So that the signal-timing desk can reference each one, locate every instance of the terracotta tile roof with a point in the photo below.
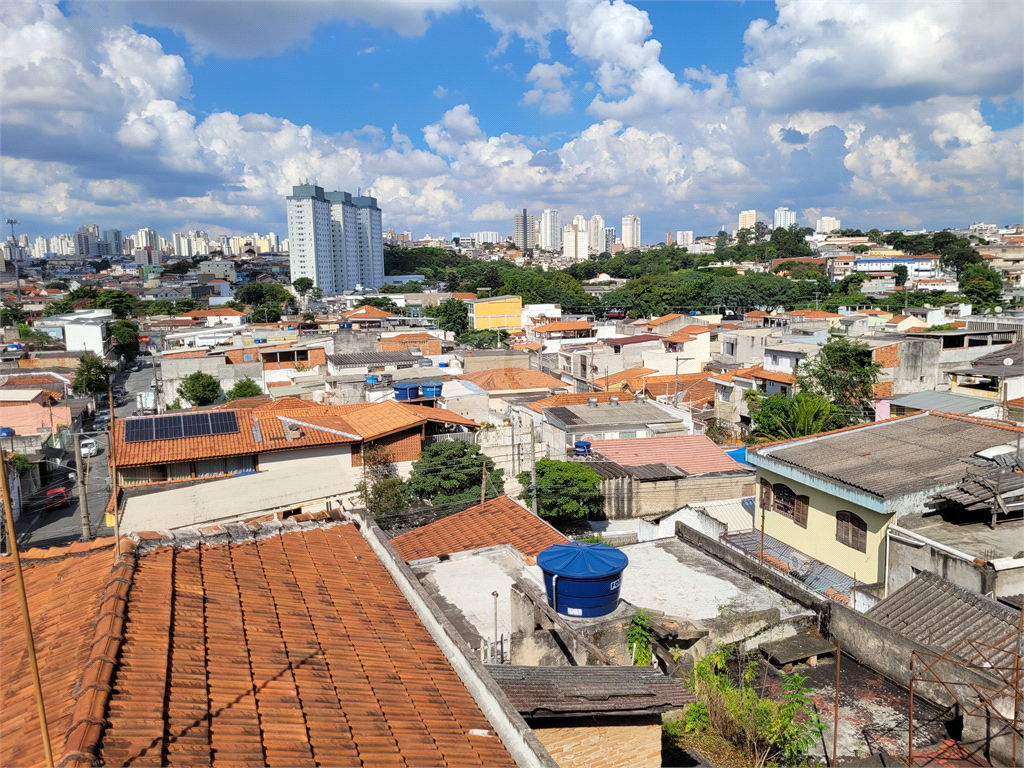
(758, 372)
(512, 379)
(695, 454)
(217, 312)
(324, 425)
(755, 313)
(496, 521)
(815, 314)
(366, 312)
(615, 378)
(186, 354)
(739, 372)
(410, 337)
(77, 602)
(663, 319)
(694, 388)
(688, 333)
(900, 319)
(463, 296)
(564, 325)
(289, 649)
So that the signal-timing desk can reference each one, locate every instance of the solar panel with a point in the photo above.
(167, 428)
(186, 425)
(223, 423)
(138, 430)
(195, 424)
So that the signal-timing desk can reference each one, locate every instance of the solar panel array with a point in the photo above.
(187, 425)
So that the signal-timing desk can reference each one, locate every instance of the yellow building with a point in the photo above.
(835, 496)
(498, 313)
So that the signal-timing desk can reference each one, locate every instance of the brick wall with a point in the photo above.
(887, 357)
(426, 347)
(404, 446)
(50, 362)
(604, 746)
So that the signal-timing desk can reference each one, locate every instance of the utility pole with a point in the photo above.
(29, 642)
(14, 253)
(675, 388)
(533, 467)
(483, 484)
(83, 500)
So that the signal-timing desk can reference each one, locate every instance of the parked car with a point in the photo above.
(58, 497)
(134, 367)
(89, 447)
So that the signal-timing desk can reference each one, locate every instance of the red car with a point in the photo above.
(58, 497)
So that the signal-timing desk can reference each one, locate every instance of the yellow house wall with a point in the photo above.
(819, 538)
(499, 314)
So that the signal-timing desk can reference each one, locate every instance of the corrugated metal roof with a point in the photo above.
(540, 691)
(737, 513)
(358, 359)
(623, 413)
(944, 401)
(940, 614)
(892, 458)
(695, 454)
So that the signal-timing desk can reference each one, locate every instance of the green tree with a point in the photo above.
(302, 285)
(199, 389)
(177, 268)
(61, 307)
(122, 304)
(381, 489)
(382, 303)
(251, 294)
(859, 248)
(957, 255)
(187, 305)
(901, 274)
(484, 339)
(244, 388)
(126, 336)
(449, 474)
(266, 313)
(309, 317)
(843, 373)
(779, 418)
(565, 489)
(452, 315)
(12, 314)
(92, 375)
(981, 284)
(59, 285)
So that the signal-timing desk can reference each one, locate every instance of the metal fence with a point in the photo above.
(495, 651)
(452, 437)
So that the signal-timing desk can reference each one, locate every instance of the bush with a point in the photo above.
(199, 389)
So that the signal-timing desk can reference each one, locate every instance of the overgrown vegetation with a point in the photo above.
(92, 375)
(244, 388)
(766, 730)
(777, 417)
(566, 490)
(449, 474)
(381, 489)
(638, 639)
(199, 389)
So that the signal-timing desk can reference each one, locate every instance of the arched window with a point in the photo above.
(851, 531)
(784, 500)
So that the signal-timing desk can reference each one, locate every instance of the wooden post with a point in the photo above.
(83, 499)
(533, 467)
(835, 726)
(762, 533)
(910, 720)
(26, 619)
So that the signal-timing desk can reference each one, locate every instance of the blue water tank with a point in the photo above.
(407, 391)
(7, 432)
(442, 365)
(371, 380)
(582, 579)
(582, 447)
(739, 455)
(431, 388)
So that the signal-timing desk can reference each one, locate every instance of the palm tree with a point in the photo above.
(807, 415)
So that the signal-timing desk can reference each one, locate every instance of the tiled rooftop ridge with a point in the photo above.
(283, 650)
(76, 679)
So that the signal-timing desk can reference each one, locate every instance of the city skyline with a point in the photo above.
(193, 117)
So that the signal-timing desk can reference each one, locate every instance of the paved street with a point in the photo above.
(60, 527)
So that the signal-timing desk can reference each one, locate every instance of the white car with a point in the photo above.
(89, 447)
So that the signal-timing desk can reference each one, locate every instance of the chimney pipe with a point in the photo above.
(592, 402)
(613, 400)
(640, 397)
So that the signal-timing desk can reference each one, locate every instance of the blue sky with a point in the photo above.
(185, 115)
